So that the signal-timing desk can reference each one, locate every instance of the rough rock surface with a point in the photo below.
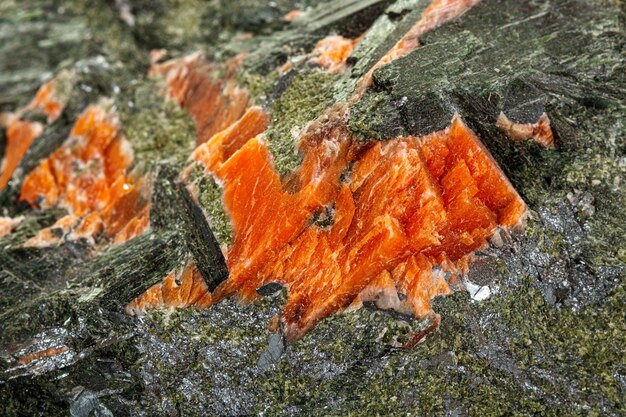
(540, 327)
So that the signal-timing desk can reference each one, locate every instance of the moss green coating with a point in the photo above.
(304, 100)
(486, 359)
(210, 199)
(157, 128)
(259, 86)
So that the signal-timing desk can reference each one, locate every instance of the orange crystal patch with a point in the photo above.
(413, 212)
(412, 204)
(540, 132)
(7, 224)
(184, 288)
(88, 176)
(225, 143)
(275, 224)
(47, 100)
(293, 15)
(332, 52)
(214, 103)
(20, 134)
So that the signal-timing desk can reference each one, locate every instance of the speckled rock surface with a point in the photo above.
(539, 326)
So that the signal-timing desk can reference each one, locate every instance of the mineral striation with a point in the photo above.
(21, 132)
(89, 177)
(400, 210)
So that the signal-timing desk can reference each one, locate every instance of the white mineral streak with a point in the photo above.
(477, 292)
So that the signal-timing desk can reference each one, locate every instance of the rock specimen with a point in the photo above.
(437, 198)
(401, 209)
(282, 191)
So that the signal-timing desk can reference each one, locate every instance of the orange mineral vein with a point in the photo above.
(214, 101)
(407, 212)
(20, 134)
(330, 54)
(182, 288)
(411, 204)
(89, 176)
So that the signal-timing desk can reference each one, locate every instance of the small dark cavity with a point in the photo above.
(324, 218)
(269, 290)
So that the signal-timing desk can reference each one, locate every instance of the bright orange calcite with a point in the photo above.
(215, 102)
(49, 100)
(20, 134)
(180, 288)
(411, 204)
(407, 213)
(332, 52)
(89, 177)
(225, 143)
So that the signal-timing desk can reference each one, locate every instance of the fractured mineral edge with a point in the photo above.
(410, 204)
(400, 219)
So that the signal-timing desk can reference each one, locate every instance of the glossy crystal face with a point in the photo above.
(403, 216)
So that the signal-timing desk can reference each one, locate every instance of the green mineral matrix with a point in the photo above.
(541, 328)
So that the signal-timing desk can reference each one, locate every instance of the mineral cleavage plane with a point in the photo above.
(407, 213)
